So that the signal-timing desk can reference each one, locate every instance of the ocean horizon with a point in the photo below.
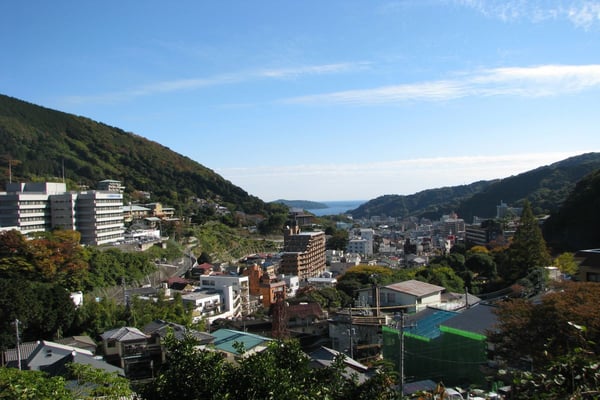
(336, 207)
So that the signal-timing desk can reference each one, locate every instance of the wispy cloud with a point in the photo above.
(537, 81)
(178, 85)
(581, 13)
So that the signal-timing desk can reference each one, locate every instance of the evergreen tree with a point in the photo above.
(528, 253)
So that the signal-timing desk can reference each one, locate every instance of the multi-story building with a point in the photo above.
(35, 207)
(303, 254)
(234, 291)
(363, 247)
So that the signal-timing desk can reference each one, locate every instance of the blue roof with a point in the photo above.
(225, 339)
(427, 324)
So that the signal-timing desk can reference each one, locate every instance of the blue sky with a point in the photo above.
(322, 100)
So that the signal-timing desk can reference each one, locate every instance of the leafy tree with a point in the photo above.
(481, 263)
(545, 332)
(338, 240)
(96, 316)
(93, 383)
(441, 276)
(574, 375)
(566, 263)
(45, 310)
(142, 312)
(528, 249)
(190, 373)
(31, 385)
(282, 370)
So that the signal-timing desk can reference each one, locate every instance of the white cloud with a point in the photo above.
(537, 81)
(178, 85)
(581, 13)
(369, 180)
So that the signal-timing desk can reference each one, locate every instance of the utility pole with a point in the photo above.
(399, 317)
(350, 333)
(18, 343)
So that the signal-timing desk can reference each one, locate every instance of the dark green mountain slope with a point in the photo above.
(428, 203)
(576, 224)
(42, 140)
(545, 187)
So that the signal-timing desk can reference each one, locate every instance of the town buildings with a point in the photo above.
(303, 253)
(35, 207)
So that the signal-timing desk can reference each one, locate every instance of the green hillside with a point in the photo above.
(429, 203)
(575, 225)
(545, 187)
(43, 143)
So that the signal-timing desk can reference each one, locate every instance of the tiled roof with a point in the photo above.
(124, 334)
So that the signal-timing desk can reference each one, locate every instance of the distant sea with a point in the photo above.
(336, 207)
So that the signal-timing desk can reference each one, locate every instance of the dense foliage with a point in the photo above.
(575, 225)
(557, 340)
(82, 382)
(39, 141)
(527, 253)
(58, 258)
(280, 371)
(37, 276)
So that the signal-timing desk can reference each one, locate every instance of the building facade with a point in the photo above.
(35, 207)
(303, 254)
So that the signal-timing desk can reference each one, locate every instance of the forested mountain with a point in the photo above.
(429, 203)
(575, 225)
(42, 143)
(545, 187)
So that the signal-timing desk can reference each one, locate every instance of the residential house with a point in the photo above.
(52, 358)
(325, 357)
(411, 295)
(162, 328)
(230, 342)
(137, 353)
(589, 265)
(206, 304)
(306, 318)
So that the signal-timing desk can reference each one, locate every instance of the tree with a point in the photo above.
(31, 385)
(93, 383)
(574, 375)
(190, 373)
(566, 263)
(282, 370)
(338, 240)
(543, 332)
(45, 310)
(528, 249)
(442, 276)
(481, 263)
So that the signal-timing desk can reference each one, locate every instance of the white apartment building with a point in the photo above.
(234, 290)
(360, 246)
(35, 207)
(205, 305)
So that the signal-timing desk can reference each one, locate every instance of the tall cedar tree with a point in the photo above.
(528, 250)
